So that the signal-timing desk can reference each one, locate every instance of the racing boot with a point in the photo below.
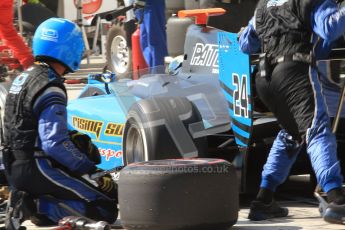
(18, 210)
(41, 220)
(261, 211)
(335, 213)
(335, 210)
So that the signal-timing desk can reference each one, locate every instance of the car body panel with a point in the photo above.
(103, 120)
(94, 114)
(107, 103)
(235, 65)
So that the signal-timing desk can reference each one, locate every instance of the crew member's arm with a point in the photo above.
(328, 21)
(50, 107)
(248, 39)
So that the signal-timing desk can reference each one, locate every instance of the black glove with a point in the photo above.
(84, 144)
(108, 186)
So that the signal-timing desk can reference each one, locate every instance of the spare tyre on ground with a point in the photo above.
(179, 194)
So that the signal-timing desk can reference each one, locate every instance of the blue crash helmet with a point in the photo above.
(60, 40)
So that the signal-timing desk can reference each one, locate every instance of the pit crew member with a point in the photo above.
(291, 35)
(43, 165)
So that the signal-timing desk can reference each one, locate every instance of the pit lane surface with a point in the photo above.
(303, 208)
(302, 216)
(295, 195)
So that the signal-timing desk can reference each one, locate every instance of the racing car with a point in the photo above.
(201, 106)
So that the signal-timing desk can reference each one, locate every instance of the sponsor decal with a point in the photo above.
(205, 55)
(88, 125)
(72, 149)
(273, 3)
(109, 153)
(90, 6)
(240, 96)
(18, 83)
(49, 34)
(21, 79)
(114, 129)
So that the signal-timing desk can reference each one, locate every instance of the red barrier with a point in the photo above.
(138, 61)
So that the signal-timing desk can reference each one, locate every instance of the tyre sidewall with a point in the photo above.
(158, 143)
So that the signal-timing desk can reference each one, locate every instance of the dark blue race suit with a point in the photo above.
(328, 23)
(56, 166)
(153, 38)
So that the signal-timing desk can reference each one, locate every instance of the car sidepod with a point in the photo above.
(102, 118)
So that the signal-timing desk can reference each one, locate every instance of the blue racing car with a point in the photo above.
(200, 106)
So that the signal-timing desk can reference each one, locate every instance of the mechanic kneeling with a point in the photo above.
(44, 166)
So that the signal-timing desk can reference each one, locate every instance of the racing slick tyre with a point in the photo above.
(118, 48)
(179, 194)
(154, 127)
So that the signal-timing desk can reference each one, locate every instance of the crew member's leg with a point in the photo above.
(282, 155)
(10, 36)
(153, 34)
(331, 90)
(73, 191)
(296, 101)
(321, 143)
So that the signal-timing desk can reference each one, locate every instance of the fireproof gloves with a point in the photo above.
(108, 186)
